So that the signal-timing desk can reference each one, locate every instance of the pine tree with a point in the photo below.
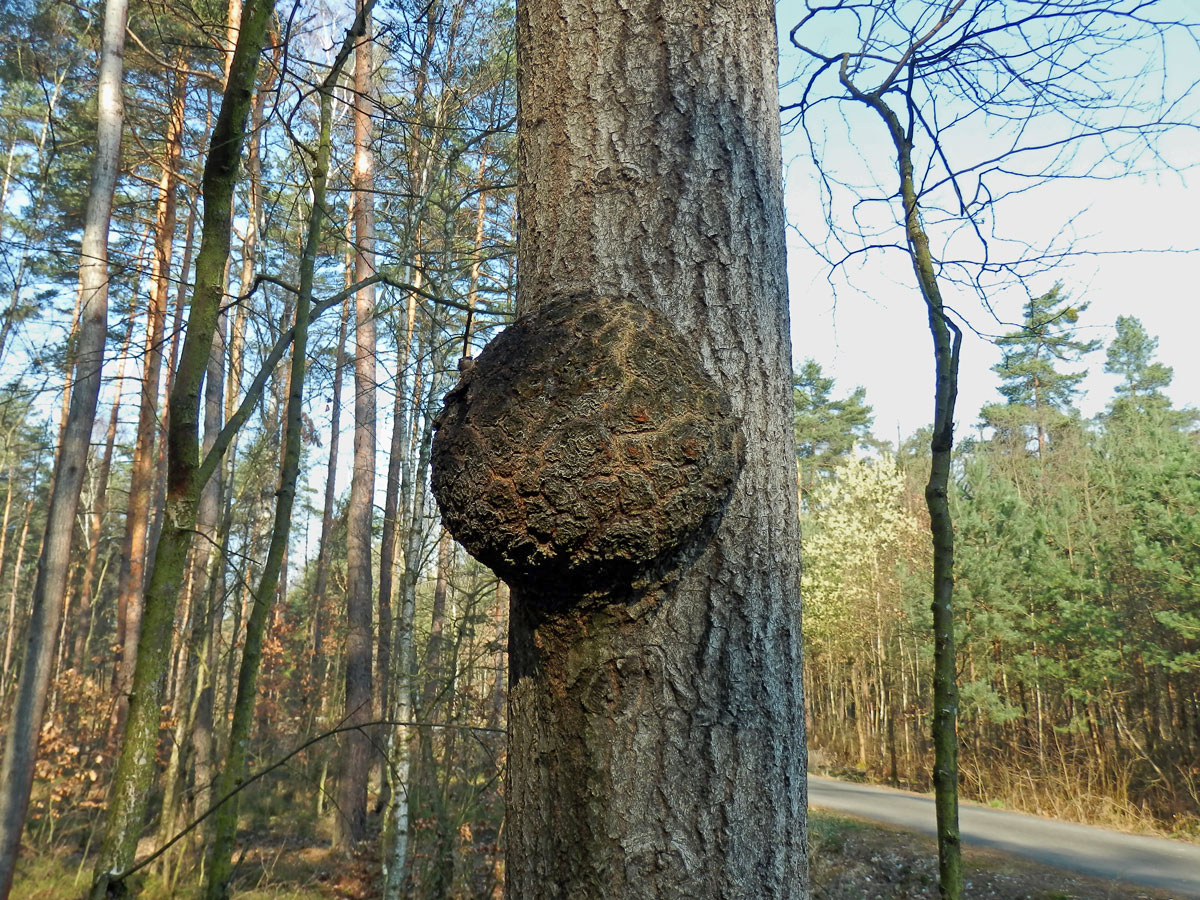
(827, 429)
(1040, 396)
(1131, 355)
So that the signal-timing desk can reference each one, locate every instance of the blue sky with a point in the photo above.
(1129, 237)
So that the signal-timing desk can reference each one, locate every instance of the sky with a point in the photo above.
(874, 332)
(868, 326)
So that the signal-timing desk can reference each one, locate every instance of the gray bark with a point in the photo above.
(656, 747)
(88, 581)
(20, 750)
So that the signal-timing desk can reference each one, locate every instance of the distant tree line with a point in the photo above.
(1078, 586)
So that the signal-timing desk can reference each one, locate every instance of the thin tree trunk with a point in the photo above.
(220, 868)
(477, 260)
(206, 567)
(322, 563)
(187, 474)
(500, 614)
(89, 582)
(946, 352)
(432, 691)
(397, 457)
(142, 480)
(356, 745)
(387, 543)
(14, 590)
(412, 491)
(20, 752)
(8, 496)
(203, 732)
(945, 675)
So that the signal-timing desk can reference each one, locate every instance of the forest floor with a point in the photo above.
(851, 860)
(857, 860)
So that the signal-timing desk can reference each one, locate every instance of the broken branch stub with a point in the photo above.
(586, 453)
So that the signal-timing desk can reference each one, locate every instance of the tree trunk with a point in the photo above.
(397, 457)
(656, 746)
(428, 793)
(945, 673)
(413, 495)
(220, 869)
(142, 480)
(12, 604)
(945, 353)
(189, 696)
(356, 745)
(14, 591)
(89, 581)
(20, 751)
(387, 541)
(322, 578)
(186, 474)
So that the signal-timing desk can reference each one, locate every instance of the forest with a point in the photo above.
(1076, 585)
(238, 642)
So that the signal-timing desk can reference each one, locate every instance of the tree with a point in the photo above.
(1039, 396)
(656, 728)
(356, 750)
(826, 430)
(1131, 355)
(1150, 555)
(20, 748)
(186, 473)
(947, 340)
(225, 829)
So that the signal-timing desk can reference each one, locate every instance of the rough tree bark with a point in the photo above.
(20, 747)
(656, 732)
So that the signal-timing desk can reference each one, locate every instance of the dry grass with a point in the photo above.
(851, 860)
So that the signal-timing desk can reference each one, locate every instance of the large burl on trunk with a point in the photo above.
(585, 453)
(591, 456)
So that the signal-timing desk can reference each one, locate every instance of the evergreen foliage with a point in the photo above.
(827, 429)
(1040, 396)
(1079, 615)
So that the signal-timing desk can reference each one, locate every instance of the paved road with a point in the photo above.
(1098, 852)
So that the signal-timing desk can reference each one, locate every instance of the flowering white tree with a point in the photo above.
(857, 531)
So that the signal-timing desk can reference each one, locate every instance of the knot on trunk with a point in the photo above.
(586, 453)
